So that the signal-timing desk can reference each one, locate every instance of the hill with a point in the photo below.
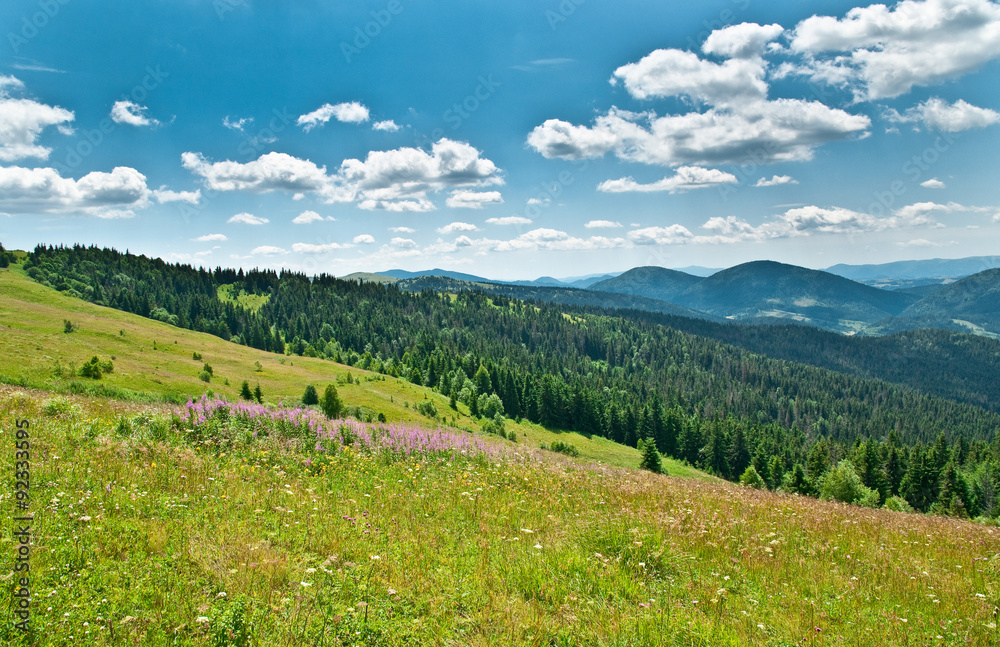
(154, 361)
(971, 304)
(653, 282)
(776, 290)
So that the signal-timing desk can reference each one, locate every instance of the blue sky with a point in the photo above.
(507, 139)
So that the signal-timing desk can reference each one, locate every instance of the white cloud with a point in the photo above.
(933, 183)
(364, 239)
(44, 191)
(307, 217)
(394, 180)
(686, 178)
(746, 40)
(352, 113)
(403, 243)
(509, 220)
(22, 122)
(672, 235)
(208, 238)
(762, 131)
(455, 227)
(918, 242)
(308, 248)
(412, 172)
(473, 199)
(603, 224)
(776, 180)
(388, 125)
(419, 205)
(539, 201)
(239, 125)
(268, 250)
(269, 172)
(401, 230)
(555, 240)
(248, 219)
(938, 114)
(674, 72)
(132, 114)
(880, 52)
(163, 195)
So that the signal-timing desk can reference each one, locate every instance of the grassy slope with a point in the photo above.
(33, 341)
(162, 542)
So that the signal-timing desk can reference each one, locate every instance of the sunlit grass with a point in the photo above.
(148, 535)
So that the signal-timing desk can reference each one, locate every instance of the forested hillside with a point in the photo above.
(717, 406)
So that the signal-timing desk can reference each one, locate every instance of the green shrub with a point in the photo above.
(565, 448)
(751, 478)
(843, 484)
(494, 425)
(205, 376)
(310, 397)
(898, 504)
(427, 408)
(95, 368)
(68, 326)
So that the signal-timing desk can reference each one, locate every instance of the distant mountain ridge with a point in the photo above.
(915, 270)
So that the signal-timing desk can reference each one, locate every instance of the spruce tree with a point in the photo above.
(310, 397)
(330, 402)
(651, 459)
(245, 392)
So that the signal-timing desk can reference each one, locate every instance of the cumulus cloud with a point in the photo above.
(671, 235)
(131, 114)
(248, 219)
(364, 239)
(455, 227)
(269, 172)
(555, 240)
(746, 40)
(603, 224)
(464, 199)
(208, 238)
(23, 120)
(268, 250)
(401, 230)
(403, 243)
(881, 52)
(393, 180)
(675, 72)
(352, 113)
(44, 191)
(686, 178)
(938, 114)
(509, 220)
(163, 195)
(933, 183)
(309, 248)
(388, 126)
(776, 180)
(765, 131)
(539, 201)
(307, 217)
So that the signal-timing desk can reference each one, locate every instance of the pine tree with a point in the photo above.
(651, 459)
(245, 392)
(310, 397)
(258, 395)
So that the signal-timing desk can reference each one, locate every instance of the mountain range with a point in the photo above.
(769, 292)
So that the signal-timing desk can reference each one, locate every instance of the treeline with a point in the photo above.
(6, 258)
(594, 372)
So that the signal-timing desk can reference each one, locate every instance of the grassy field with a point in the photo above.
(149, 529)
(143, 535)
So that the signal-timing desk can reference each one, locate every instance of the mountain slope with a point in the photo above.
(649, 281)
(971, 304)
(766, 289)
